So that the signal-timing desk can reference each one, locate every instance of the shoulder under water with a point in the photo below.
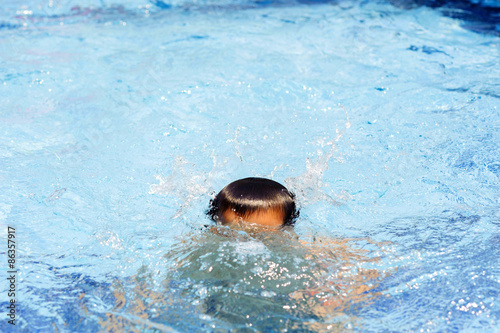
(270, 280)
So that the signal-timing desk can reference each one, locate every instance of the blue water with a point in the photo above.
(120, 120)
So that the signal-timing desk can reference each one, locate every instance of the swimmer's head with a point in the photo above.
(258, 201)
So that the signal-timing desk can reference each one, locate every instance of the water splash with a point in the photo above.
(308, 186)
(187, 182)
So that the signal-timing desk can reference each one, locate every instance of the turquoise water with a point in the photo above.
(120, 120)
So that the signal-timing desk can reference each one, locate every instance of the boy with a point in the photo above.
(257, 201)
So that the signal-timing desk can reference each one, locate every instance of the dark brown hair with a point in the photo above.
(249, 195)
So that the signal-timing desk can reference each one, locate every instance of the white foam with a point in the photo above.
(251, 248)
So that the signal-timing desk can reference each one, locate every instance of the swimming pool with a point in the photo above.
(120, 119)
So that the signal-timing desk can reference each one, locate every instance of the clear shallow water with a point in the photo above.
(120, 121)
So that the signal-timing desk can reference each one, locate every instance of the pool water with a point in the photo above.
(121, 119)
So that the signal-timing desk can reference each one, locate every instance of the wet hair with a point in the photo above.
(250, 195)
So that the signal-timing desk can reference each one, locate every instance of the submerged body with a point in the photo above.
(274, 280)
